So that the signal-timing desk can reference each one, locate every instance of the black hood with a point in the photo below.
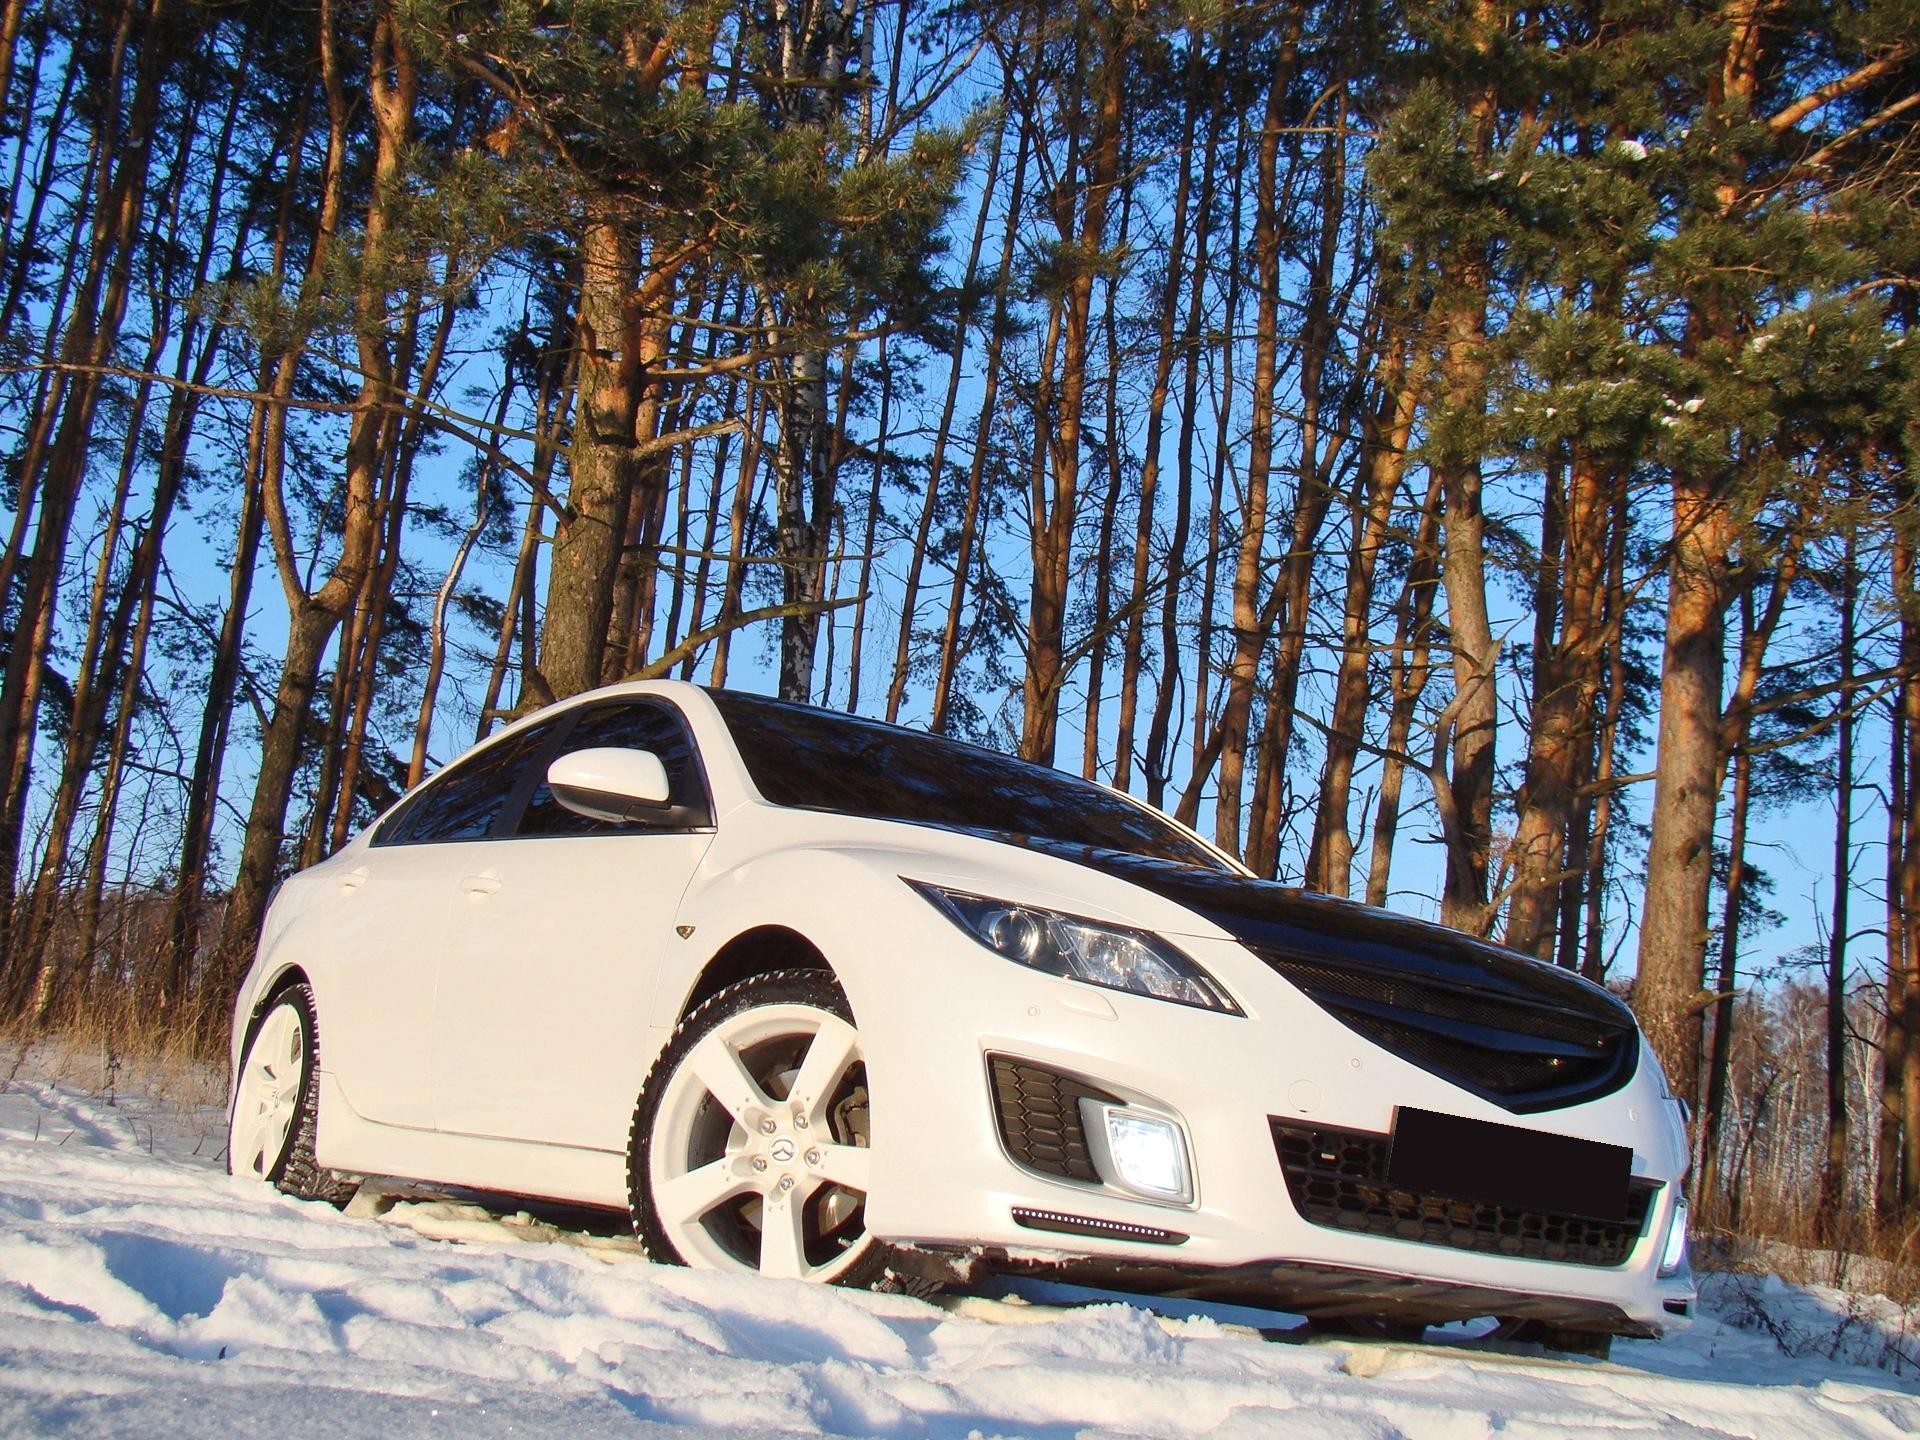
(1514, 1030)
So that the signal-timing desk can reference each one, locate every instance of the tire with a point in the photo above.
(744, 1181)
(276, 1103)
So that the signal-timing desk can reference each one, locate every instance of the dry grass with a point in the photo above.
(119, 1044)
(1783, 1238)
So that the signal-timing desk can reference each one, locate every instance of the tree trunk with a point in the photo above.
(1719, 1069)
(1320, 445)
(1133, 641)
(1389, 430)
(1593, 959)
(1205, 732)
(1056, 473)
(1567, 678)
(1831, 1223)
(602, 465)
(1673, 920)
(1673, 930)
(93, 329)
(982, 442)
(1249, 624)
(314, 615)
(1412, 665)
(1897, 1181)
(937, 459)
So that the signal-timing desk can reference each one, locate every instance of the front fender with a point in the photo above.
(850, 904)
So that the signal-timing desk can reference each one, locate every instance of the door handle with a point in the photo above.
(353, 879)
(480, 884)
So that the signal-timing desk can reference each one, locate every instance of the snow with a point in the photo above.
(1631, 149)
(144, 1292)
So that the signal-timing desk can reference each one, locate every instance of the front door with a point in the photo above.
(552, 944)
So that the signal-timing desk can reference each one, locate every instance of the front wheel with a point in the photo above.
(750, 1141)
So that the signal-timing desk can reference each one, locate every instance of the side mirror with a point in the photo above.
(609, 783)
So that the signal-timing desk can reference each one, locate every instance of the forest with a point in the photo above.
(1455, 455)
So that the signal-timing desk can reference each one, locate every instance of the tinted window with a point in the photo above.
(635, 725)
(820, 760)
(465, 800)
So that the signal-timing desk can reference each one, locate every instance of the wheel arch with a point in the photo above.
(759, 950)
(284, 979)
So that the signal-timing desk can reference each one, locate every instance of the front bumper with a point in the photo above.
(945, 1181)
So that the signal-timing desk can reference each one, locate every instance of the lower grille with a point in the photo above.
(1338, 1179)
(1039, 1115)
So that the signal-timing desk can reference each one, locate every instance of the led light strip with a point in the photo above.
(1055, 1221)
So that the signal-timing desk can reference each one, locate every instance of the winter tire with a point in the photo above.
(750, 1143)
(1594, 1344)
(270, 1130)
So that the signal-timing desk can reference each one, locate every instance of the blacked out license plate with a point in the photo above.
(1505, 1165)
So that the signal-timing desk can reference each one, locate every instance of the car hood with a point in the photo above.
(1528, 1035)
(1268, 916)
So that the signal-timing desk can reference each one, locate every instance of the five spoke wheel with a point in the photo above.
(750, 1141)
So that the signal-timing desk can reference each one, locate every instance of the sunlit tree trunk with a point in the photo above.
(1060, 409)
(1409, 671)
(943, 429)
(1673, 927)
(1831, 1222)
(140, 39)
(1133, 631)
(315, 614)
(1383, 464)
(1250, 624)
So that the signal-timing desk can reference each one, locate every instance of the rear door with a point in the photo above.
(389, 927)
(540, 1028)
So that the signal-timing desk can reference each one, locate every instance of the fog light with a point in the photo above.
(1143, 1152)
(1673, 1255)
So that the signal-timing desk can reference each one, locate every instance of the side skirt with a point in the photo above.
(351, 1143)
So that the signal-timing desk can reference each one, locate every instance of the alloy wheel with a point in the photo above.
(758, 1155)
(266, 1099)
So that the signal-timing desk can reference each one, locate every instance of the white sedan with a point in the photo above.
(827, 999)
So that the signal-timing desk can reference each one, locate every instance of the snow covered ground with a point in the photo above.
(143, 1292)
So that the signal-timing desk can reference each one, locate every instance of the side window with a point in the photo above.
(464, 801)
(631, 725)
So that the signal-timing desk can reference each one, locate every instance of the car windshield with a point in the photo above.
(815, 759)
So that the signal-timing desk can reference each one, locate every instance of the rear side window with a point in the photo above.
(630, 725)
(466, 800)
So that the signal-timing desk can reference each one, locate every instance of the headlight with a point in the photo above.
(1107, 955)
(1673, 1255)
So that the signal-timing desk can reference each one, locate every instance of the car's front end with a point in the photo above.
(1123, 1073)
(1099, 1048)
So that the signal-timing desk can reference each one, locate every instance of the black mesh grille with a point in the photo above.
(1039, 1115)
(1338, 1179)
(1523, 1052)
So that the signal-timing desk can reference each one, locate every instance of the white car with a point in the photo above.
(828, 999)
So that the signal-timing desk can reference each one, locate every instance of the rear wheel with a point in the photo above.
(1593, 1343)
(1368, 1327)
(750, 1141)
(271, 1128)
